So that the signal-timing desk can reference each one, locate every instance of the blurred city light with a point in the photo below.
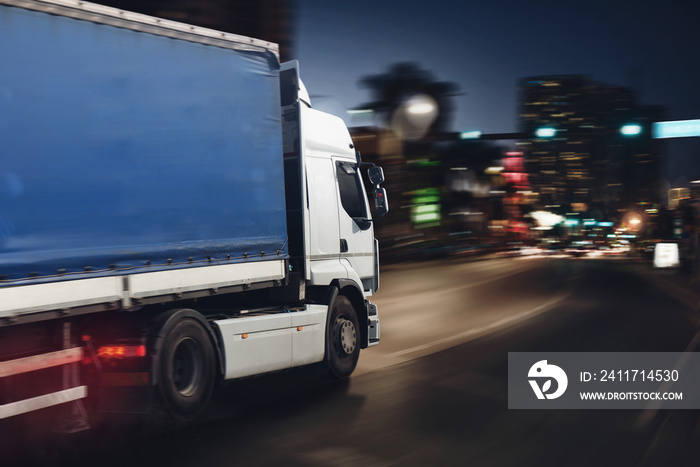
(546, 220)
(666, 255)
(476, 134)
(631, 222)
(413, 118)
(676, 129)
(426, 209)
(427, 213)
(421, 105)
(675, 195)
(632, 129)
(545, 132)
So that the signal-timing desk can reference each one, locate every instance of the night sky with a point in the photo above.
(485, 47)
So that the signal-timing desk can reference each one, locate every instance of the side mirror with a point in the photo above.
(381, 205)
(376, 175)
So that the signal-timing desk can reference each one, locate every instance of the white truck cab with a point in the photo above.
(339, 236)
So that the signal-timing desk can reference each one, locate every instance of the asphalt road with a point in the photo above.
(434, 392)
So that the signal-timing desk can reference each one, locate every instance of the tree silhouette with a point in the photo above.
(391, 90)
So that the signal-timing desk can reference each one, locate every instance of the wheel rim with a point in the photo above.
(346, 336)
(187, 367)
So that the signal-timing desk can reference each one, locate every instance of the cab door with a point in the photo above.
(355, 226)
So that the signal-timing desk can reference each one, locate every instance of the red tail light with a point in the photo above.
(121, 351)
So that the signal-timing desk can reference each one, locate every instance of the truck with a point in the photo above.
(174, 214)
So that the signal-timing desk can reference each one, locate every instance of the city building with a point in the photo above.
(446, 196)
(590, 147)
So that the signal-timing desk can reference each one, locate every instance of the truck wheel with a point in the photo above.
(186, 369)
(343, 338)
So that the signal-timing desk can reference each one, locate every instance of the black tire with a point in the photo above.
(342, 339)
(186, 369)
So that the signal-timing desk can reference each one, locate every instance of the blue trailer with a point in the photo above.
(126, 151)
(173, 214)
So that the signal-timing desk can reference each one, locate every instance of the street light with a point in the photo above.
(632, 221)
(413, 118)
(422, 105)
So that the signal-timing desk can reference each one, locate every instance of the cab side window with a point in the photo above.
(351, 190)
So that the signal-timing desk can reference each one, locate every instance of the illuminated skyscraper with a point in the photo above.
(578, 157)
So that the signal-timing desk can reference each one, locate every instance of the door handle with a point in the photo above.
(343, 245)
